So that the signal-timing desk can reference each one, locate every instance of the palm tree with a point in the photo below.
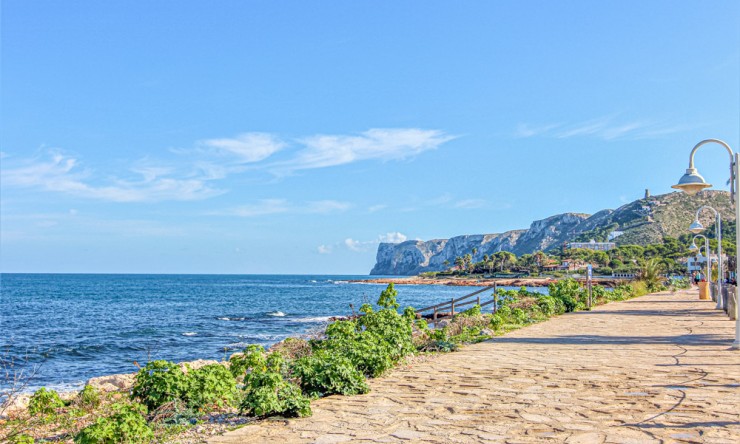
(650, 274)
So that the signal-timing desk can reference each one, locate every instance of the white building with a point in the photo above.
(593, 245)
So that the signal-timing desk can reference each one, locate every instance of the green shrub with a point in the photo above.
(472, 311)
(88, 398)
(497, 321)
(44, 402)
(504, 312)
(266, 392)
(546, 305)
(324, 373)
(252, 357)
(210, 385)
(160, 382)
(126, 425)
(387, 298)
(569, 292)
(518, 316)
(373, 343)
(22, 439)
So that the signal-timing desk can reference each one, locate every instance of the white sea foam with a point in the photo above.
(278, 314)
(313, 319)
(190, 333)
(227, 318)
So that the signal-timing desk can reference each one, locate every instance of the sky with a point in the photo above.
(291, 137)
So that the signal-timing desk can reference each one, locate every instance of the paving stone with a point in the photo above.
(653, 369)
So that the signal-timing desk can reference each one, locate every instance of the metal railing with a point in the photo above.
(448, 309)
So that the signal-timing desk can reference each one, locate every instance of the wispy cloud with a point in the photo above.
(470, 204)
(364, 246)
(62, 174)
(247, 147)
(392, 238)
(323, 151)
(324, 249)
(190, 175)
(605, 128)
(267, 207)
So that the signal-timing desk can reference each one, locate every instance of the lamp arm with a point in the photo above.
(733, 167)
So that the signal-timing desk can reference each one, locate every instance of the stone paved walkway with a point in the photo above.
(654, 369)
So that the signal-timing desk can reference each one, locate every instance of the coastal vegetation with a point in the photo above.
(669, 257)
(169, 399)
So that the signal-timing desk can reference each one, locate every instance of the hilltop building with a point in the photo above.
(593, 245)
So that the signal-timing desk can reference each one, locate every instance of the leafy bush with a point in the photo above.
(569, 292)
(160, 382)
(88, 398)
(22, 439)
(472, 311)
(504, 312)
(387, 298)
(323, 374)
(210, 385)
(497, 321)
(547, 305)
(251, 358)
(126, 425)
(518, 316)
(44, 402)
(376, 341)
(266, 392)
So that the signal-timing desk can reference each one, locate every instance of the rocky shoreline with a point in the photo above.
(480, 282)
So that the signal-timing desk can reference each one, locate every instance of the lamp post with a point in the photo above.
(696, 227)
(698, 254)
(692, 183)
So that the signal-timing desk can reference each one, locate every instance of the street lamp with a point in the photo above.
(698, 253)
(692, 183)
(697, 227)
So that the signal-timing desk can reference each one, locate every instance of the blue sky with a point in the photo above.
(292, 137)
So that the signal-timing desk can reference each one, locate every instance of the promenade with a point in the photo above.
(653, 369)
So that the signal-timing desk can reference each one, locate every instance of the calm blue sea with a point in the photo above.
(76, 326)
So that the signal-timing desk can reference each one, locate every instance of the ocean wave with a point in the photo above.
(313, 319)
(231, 318)
(278, 314)
(190, 333)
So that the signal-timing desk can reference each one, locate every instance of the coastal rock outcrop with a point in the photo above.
(641, 222)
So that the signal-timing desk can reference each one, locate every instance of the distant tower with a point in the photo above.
(647, 193)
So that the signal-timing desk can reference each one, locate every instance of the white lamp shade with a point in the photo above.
(691, 182)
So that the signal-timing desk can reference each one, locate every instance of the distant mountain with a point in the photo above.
(641, 222)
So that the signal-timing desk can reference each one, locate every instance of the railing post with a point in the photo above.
(434, 318)
(452, 303)
(478, 301)
(495, 298)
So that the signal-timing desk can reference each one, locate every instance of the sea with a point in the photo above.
(62, 329)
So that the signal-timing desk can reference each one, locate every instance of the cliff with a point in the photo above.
(641, 222)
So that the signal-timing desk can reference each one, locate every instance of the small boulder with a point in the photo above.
(112, 383)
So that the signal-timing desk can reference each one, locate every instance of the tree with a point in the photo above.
(459, 263)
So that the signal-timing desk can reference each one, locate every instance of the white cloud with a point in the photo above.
(266, 207)
(376, 208)
(355, 245)
(470, 204)
(392, 238)
(322, 151)
(62, 174)
(324, 249)
(606, 128)
(327, 206)
(247, 147)
(262, 208)
(364, 246)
